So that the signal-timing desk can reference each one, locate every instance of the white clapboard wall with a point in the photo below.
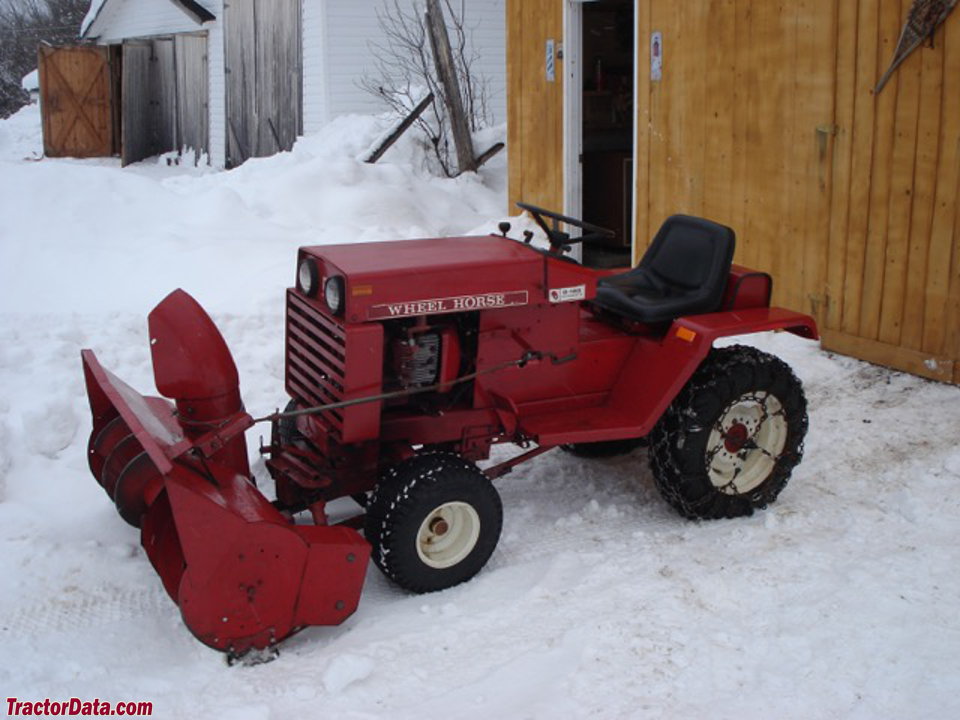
(336, 53)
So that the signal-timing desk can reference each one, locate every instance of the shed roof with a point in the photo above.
(197, 12)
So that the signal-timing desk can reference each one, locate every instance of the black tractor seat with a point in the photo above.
(683, 272)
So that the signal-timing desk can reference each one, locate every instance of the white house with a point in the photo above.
(246, 77)
(31, 83)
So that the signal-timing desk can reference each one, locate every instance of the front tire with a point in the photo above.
(730, 440)
(433, 521)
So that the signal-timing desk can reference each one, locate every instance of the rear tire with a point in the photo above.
(730, 440)
(433, 521)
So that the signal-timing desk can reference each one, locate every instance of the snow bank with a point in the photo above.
(81, 231)
(839, 601)
(21, 138)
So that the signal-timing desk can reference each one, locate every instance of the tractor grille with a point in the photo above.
(316, 359)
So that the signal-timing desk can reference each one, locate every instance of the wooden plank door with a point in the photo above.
(264, 77)
(740, 129)
(279, 93)
(77, 101)
(164, 97)
(240, 48)
(193, 117)
(535, 102)
(136, 116)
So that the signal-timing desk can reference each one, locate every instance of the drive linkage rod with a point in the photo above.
(520, 362)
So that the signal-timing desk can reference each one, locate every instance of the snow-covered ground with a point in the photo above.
(840, 601)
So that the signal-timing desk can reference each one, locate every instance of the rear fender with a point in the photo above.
(713, 326)
(657, 369)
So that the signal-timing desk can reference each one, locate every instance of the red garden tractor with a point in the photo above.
(406, 362)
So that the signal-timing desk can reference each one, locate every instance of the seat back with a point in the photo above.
(683, 272)
(690, 253)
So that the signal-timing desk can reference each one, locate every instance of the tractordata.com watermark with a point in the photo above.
(76, 707)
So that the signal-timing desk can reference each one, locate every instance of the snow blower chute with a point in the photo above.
(242, 574)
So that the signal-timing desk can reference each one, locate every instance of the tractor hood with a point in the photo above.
(408, 278)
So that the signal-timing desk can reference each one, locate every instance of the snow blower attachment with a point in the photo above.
(242, 574)
(405, 363)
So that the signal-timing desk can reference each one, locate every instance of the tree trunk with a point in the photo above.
(446, 69)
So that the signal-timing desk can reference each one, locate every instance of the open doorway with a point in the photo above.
(606, 118)
(163, 93)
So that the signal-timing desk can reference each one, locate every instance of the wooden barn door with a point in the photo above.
(264, 77)
(193, 116)
(893, 282)
(740, 128)
(77, 101)
(136, 122)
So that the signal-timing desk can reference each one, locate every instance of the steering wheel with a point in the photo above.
(560, 240)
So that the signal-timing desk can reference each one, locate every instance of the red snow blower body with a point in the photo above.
(405, 363)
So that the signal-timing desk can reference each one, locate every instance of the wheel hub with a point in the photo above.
(439, 526)
(745, 443)
(448, 534)
(736, 437)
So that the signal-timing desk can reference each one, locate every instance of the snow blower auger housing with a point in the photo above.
(406, 362)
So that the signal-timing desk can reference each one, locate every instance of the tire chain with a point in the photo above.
(668, 477)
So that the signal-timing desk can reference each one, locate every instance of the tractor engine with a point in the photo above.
(422, 357)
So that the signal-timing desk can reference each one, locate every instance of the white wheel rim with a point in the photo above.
(448, 534)
(745, 443)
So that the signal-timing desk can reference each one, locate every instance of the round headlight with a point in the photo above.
(307, 277)
(333, 294)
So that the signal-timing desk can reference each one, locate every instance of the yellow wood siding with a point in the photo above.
(894, 243)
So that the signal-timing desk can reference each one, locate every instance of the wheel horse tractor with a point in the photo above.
(406, 362)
